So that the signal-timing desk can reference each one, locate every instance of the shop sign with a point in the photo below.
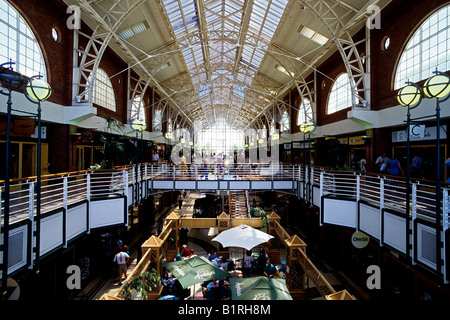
(352, 140)
(419, 133)
(43, 133)
(360, 239)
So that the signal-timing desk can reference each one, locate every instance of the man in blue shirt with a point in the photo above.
(269, 270)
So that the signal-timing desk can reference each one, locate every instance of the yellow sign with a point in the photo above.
(352, 140)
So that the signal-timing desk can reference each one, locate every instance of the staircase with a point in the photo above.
(238, 204)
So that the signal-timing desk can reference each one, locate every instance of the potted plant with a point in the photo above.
(144, 283)
(259, 212)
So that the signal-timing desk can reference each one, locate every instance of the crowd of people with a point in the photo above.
(393, 166)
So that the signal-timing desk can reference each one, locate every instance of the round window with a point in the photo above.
(56, 36)
(385, 43)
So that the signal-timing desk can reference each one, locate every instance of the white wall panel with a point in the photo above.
(369, 220)
(394, 231)
(76, 220)
(107, 212)
(339, 212)
(51, 232)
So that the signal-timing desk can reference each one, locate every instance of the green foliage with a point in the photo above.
(118, 149)
(144, 283)
(259, 212)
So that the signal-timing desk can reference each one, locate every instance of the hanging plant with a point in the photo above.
(144, 283)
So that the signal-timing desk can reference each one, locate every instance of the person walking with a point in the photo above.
(180, 200)
(396, 168)
(121, 258)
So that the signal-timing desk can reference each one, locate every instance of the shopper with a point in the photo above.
(180, 200)
(185, 252)
(248, 264)
(121, 258)
(212, 255)
(417, 167)
(262, 259)
(225, 292)
(269, 270)
(396, 168)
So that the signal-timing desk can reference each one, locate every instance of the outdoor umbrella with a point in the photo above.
(242, 236)
(259, 288)
(194, 270)
(169, 297)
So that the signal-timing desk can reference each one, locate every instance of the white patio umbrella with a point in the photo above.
(242, 236)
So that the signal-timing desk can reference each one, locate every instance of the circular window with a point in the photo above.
(385, 43)
(56, 36)
(324, 84)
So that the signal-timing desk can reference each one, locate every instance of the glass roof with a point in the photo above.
(213, 34)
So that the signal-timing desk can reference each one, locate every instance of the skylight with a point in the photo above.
(212, 61)
(313, 35)
(133, 30)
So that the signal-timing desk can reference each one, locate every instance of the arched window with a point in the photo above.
(103, 93)
(304, 112)
(18, 43)
(428, 49)
(137, 109)
(341, 94)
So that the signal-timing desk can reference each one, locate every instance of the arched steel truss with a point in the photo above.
(248, 104)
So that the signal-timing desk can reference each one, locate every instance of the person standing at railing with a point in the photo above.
(241, 162)
(155, 156)
(417, 167)
(396, 168)
(383, 163)
(219, 163)
(447, 164)
(183, 165)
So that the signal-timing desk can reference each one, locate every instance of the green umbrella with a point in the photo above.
(259, 288)
(194, 270)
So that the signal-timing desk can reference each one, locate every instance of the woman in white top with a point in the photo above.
(248, 263)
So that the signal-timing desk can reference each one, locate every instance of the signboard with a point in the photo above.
(43, 133)
(352, 140)
(419, 132)
(360, 239)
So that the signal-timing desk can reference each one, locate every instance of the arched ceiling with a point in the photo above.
(234, 59)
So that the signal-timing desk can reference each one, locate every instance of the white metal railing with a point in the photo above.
(58, 191)
(212, 171)
(61, 190)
